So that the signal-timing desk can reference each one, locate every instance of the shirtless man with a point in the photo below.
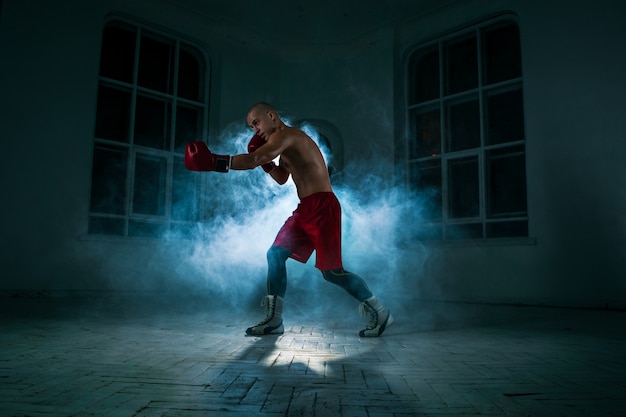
(314, 225)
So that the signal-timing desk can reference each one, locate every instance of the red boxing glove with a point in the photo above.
(255, 143)
(198, 157)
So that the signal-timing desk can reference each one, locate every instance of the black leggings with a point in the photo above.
(277, 276)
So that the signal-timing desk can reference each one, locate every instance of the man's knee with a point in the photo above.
(277, 255)
(335, 276)
(350, 282)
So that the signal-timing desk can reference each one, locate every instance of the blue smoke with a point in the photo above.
(248, 208)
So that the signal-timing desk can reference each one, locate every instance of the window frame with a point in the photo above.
(434, 105)
(165, 219)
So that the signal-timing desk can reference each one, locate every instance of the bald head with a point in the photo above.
(263, 119)
(262, 108)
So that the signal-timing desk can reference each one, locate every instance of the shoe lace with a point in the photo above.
(269, 310)
(367, 310)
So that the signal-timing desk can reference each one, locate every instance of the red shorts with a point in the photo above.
(314, 225)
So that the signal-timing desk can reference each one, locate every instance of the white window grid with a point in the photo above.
(163, 220)
(445, 157)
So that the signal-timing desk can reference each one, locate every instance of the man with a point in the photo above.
(314, 225)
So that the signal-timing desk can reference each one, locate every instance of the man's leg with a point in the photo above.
(378, 316)
(352, 283)
(277, 270)
(276, 288)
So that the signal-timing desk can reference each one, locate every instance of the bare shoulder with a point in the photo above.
(289, 136)
(299, 136)
(290, 132)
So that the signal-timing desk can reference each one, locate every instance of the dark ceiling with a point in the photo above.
(318, 22)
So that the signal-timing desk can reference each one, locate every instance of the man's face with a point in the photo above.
(261, 122)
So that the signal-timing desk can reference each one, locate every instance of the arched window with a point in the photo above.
(466, 150)
(152, 100)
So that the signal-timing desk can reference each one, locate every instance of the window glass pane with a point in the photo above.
(425, 180)
(152, 122)
(464, 231)
(190, 74)
(506, 182)
(118, 52)
(113, 114)
(108, 180)
(505, 117)
(463, 187)
(426, 134)
(461, 65)
(156, 63)
(501, 52)
(185, 193)
(507, 229)
(463, 125)
(106, 226)
(188, 126)
(424, 75)
(149, 185)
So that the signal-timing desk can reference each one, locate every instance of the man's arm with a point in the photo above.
(198, 157)
(244, 161)
(251, 161)
(280, 174)
(261, 154)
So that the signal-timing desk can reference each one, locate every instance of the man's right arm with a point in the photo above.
(280, 174)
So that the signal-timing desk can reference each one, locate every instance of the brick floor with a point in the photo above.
(81, 360)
